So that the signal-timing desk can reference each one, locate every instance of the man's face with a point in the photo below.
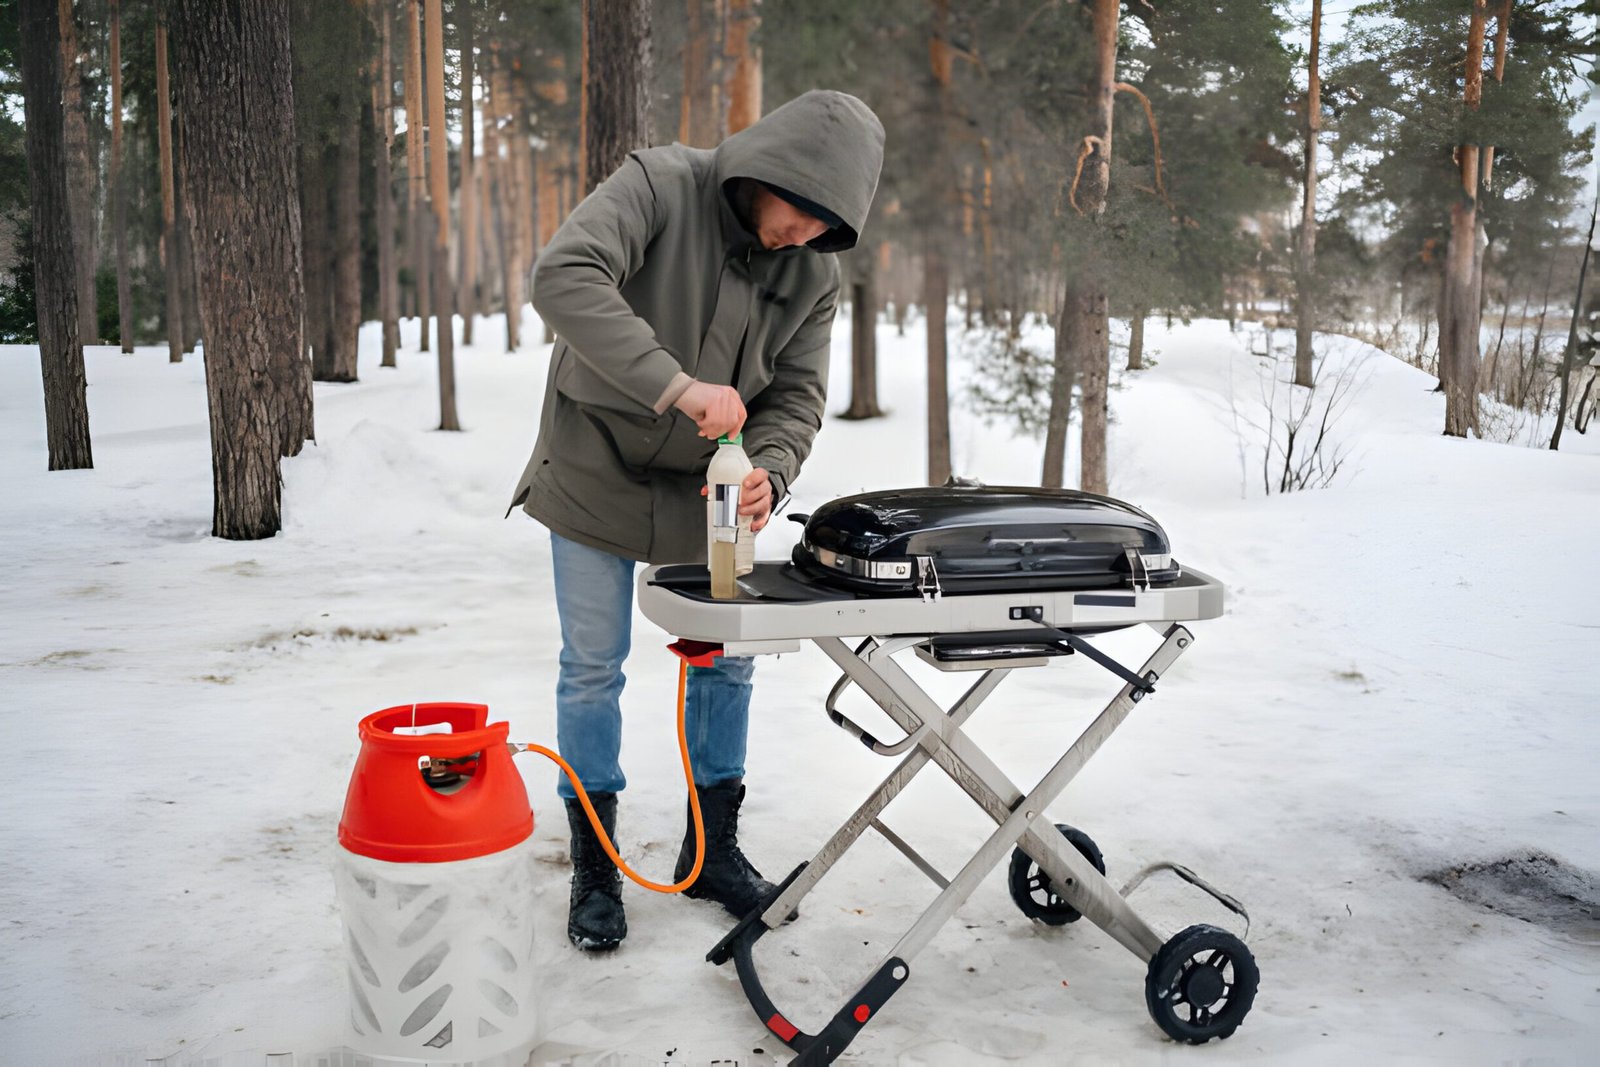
(779, 224)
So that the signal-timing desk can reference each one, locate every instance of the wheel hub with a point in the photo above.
(1202, 986)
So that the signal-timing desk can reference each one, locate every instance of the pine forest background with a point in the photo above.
(253, 179)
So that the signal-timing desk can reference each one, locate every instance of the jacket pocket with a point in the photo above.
(684, 451)
(636, 439)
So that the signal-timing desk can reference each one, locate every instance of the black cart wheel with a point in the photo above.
(1032, 889)
(1201, 984)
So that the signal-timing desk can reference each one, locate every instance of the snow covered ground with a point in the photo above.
(1404, 684)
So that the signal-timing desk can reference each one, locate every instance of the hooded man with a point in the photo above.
(692, 295)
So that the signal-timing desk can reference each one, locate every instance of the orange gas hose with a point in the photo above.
(688, 777)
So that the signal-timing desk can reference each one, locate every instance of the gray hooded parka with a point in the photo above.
(654, 282)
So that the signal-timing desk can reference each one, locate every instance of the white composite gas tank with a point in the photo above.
(435, 879)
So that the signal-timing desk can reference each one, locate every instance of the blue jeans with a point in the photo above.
(594, 598)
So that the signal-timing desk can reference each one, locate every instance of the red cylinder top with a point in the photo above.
(392, 813)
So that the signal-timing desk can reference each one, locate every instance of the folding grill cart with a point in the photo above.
(1200, 983)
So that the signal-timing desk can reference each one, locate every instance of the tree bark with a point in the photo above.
(701, 114)
(936, 294)
(521, 150)
(1136, 337)
(1091, 344)
(1091, 330)
(239, 169)
(469, 188)
(744, 64)
(1305, 285)
(316, 254)
(188, 296)
(547, 194)
(935, 270)
(169, 233)
(506, 227)
(1458, 306)
(80, 163)
(55, 272)
(1502, 29)
(416, 164)
(444, 304)
(1053, 475)
(1571, 353)
(383, 112)
(119, 188)
(863, 340)
(616, 85)
(345, 262)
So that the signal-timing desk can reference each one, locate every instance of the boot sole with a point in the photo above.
(593, 944)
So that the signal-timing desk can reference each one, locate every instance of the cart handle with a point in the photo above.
(855, 729)
(830, 1042)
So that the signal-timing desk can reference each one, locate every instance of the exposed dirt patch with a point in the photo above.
(310, 636)
(1531, 886)
(83, 659)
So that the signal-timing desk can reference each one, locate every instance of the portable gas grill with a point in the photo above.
(990, 581)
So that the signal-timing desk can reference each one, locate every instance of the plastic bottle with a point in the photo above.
(730, 543)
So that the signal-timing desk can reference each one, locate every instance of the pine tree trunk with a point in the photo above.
(444, 304)
(1305, 285)
(547, 194)
(1091, 344)
(863, 340)
(345, 263)
(119, 187)
(935, 270)
(188, 291)
(936, 295)
(616, 84)
(744, 64)
(469, 187)
(1092, 330)
(55, 273)
(1458, 306)
(522, 180)
(316, 254)
(1055, 434)
(488, 235)
(1136, 337)
(416, 165)
(80, 163)
(247, 240)
(506, 228)
(1571, 352)
(169, 233)
(701, 121)
(383, 186)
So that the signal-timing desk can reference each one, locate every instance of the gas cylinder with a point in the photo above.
(435, 879)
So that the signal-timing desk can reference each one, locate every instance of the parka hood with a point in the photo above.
(825, 146)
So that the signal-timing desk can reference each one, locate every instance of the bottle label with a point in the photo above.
(725, 505)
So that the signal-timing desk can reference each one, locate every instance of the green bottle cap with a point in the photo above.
(733, 439)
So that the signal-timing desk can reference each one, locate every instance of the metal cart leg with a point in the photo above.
(939, 738)
(887, 683)
(867, 814)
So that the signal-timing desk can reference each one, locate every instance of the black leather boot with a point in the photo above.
(726, 876)
(595, 922)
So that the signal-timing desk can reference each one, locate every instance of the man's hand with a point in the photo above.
(755, 498)
(716, 409)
